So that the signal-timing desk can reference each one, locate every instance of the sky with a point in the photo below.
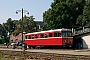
(34, 7)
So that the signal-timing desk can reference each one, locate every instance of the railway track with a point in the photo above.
(50, 54)
(32, 54)
(57, 51)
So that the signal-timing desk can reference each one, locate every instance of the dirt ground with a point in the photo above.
(24, 55)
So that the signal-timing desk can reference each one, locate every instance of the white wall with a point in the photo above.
(86, 41)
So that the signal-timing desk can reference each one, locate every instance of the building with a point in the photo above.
(39, 24)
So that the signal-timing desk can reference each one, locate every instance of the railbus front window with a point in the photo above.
(69, 34)
(64, 34)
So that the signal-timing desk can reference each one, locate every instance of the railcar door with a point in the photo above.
(67, 39)
(64, 39)
(70, 38)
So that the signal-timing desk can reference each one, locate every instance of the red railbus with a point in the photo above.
(50, 38)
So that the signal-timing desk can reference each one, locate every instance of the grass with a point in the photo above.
(1, 44)
(6, 59)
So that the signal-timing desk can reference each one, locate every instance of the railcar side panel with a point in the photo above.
(44, 41)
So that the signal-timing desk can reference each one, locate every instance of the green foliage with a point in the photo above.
(80, 20)
(86, 13)
(3, 33)
(16, 32)
(84, 18)
(10, 25)
(28, 25)
(63, 14)
(6, 28)
(15, 27)
(1, 41)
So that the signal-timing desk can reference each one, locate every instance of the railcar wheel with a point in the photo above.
(68, 46)
(24, 46)
(37, 47)
(29, 47)
(63, 46)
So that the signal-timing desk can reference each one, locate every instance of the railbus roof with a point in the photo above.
(49, 31)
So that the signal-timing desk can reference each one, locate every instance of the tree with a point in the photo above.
(63, 14)
(28, 25)
(3, 33)
(86, 14)
(10, 25)
(33, 24)
(6, 28)
(15, 27)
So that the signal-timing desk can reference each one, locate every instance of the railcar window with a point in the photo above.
(36, 36)
(32, 37)
(29, 37)
(64, 34)
(55, 34)
(25, 37)
(59, 34)
(42, 35)
(50, 35)
(46, 35)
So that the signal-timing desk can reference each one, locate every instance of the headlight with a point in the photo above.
(64, 40)
(71, 41)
